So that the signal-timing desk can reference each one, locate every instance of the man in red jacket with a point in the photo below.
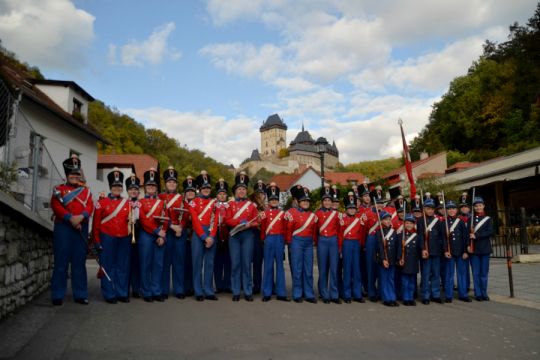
(203, 248)
(153, 232)
(242, 216)
(111, 238)
(72, 206)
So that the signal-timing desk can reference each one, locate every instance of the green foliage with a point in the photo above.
(263, 175)
(283, 153)
(10, 58)
(127, 136)
(491, 111)
(8, 175)
(374, 169)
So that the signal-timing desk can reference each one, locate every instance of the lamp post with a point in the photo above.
(321, 149)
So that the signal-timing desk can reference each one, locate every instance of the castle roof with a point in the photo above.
(273, 121)
(304, 142)
(255, 156)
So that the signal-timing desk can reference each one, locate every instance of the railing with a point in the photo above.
(27, 171)
(513, 230)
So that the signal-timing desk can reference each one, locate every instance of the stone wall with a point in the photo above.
(26, 259)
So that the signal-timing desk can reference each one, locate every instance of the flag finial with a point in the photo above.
(400, 122)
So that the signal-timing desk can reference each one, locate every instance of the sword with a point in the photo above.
(241, 227)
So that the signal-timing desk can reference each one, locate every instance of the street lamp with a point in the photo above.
(321, 149)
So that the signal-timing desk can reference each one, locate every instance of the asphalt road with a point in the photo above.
(186, 329)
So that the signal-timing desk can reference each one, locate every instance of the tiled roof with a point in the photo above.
(460, 166)
(285, 181)
(18, 81)
(141, 162)
(343, 178)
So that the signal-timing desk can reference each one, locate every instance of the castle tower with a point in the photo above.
(273, 137)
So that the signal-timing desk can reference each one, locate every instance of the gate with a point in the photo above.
(510, 228)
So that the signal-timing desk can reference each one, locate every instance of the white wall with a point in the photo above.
(310, 179)
(104, 185)
(63, 96)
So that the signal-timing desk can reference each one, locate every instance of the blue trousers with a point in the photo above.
(431, 278)
(151, 261)
(241, 250)
(188, 267)
(302, 267)
(135, 270)
(327, 261)
(371, 266)
(387, 276)
(203, 266)
(352, 277)
(115, 259)
(274, 247)
(480, 267)
(69, 248)
(457, 265)
(222, 268)
(258, 256)
(468, 273)
(408, 284)
(174, 259)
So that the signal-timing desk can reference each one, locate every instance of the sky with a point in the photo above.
(208, 73)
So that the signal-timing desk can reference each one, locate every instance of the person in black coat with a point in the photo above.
(411, 251)
(388, 253)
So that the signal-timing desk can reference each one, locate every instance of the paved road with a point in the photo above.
(186, 329)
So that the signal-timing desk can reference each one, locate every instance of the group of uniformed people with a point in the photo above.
(190, 244)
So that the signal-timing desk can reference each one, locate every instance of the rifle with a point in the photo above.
(446, 223)
(471, 242)
(242, 227)
(403, 233)
(382, 232)
(426, 232)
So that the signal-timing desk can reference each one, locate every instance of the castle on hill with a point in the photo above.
(277, 157)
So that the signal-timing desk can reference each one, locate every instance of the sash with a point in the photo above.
(373, 228)
(70, 196)
(390, 233)
(351, 226)
(83, 202)
(241, 210)
(482, 222)
(115, 212)
(327, 221)
(432, 224)
(305, 225)
(394, 214)
(171, 202)
(205, 210)
(453, 227)
(410, 239)
(153, 209)
(400, 228)
(273, 222)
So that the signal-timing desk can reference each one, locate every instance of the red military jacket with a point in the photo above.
(392, 211)
(298, 225)
(173, 201)
(278, 227)
(203, 213)
(221, 211)
(397, 224)
(372, 222)
(351, 228)
(152, 206)
(241, 210)
(111, 217)
(327, 227)
(77, 200)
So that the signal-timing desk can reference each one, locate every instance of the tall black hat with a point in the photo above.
(203, 180)
(335, 194)
(115, 178)
(300, 193)
(72, 165)
(151, 177)
(326, 192)
(260, 187)
(400, 203)
(363, 189)
(170, 174)
(350, 200)
(464, 200)
(272, 191)
(377, 195)
(133, 182)
(222, 186)
(189, 184)
(241, 180)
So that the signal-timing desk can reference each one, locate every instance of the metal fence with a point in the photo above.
(27, 170)
(512, 231)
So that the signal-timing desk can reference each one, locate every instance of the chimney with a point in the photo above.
(424, 155)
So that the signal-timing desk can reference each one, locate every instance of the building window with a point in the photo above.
(99, 175)
(77, 108)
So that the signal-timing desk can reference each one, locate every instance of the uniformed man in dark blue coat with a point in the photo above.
(432, 229)
(388, 253)
(411, 247)
(480, 248)
(455, 254)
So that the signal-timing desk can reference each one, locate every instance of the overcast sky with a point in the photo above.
(209, 72)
